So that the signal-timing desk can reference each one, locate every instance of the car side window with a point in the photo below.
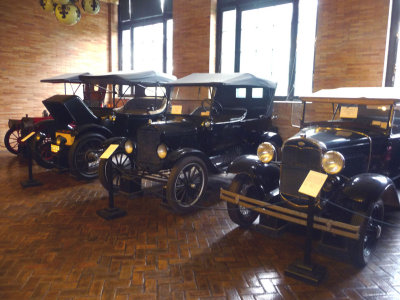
(396, 120)
(240, 93)
(257, 93)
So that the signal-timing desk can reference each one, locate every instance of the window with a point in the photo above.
(270, 39)
(392, 77)
(145, 34)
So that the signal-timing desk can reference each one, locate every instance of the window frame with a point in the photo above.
(243, 5)
(393, 44)
(131, 24)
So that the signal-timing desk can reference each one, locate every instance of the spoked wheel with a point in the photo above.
(84, 156)
(121, 164)
(370, 232)
(241, 215)
(12, 139)
(186, 184)
(42, 153)
(41, 150)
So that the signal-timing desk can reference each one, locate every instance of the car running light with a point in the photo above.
(128, 146)
(266, 152)
(332, 162)
(162, 151)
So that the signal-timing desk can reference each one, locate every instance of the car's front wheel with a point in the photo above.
(84, 156)
(241, 215)
(186, 184)
(370, 223)
(121, 164)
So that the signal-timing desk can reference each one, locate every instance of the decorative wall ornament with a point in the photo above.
(67, 11)
(91, 7)
(68, 14)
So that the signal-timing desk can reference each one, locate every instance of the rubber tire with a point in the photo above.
(175, 172)
(74, 167)
(357, 249)
(47, 127)
(103, 169)
(11, 133)
(235, 211)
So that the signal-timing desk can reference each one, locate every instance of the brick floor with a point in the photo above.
(54, 246)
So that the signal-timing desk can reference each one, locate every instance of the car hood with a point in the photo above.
(173, 126)
(336, 138)
(353, 145)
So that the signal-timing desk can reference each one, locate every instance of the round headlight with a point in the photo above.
(128, 146)
(332, 162)
(162, 151)
(266, 152)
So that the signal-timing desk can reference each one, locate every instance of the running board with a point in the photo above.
(290, 215)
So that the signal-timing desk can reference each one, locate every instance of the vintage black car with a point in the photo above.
(79, 131)
(18, 128)
(358, 148)
(211, 119)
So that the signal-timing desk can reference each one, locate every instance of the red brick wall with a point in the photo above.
(192, 35)
(34, 46)
(351, 39)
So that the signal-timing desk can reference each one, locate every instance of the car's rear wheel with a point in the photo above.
(121, 164)
(186, 184)
(12, 140)
(41, 150)
(84, 155)
(370, 223)
(241, 215)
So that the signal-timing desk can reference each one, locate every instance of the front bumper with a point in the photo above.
(291, 215)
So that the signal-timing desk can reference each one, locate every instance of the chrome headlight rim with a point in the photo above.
(162, 151)
(266, 152)
(333, 162)
(129, 146)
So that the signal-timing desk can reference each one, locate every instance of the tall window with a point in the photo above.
(145, 34)
(393, 56)
(270, 39)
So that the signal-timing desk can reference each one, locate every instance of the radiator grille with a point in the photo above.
(148, 139)
(297, 161)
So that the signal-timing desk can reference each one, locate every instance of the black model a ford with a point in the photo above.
(79, 130)
(358, 148)
(211, 119)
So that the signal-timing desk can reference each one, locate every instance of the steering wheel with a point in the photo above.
(214, 105)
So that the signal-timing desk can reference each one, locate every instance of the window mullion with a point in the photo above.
(238, 35)
(293, 48)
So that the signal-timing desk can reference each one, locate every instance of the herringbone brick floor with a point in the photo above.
(54, 246)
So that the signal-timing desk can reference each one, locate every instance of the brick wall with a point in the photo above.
(193, 27)
(351, 39)
(34, 46)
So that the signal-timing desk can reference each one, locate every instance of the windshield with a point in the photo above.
(360, 115)
(191, 100)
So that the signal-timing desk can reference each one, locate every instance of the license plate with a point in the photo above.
(55, 148)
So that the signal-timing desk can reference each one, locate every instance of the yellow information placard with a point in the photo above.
(313, 183)
(205, 113)
(176, 109)
(349, 112)
(27, 137)
(110, 150)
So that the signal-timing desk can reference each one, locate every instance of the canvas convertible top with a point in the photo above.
(146, 78)
(357, 95)
(65, 78)
(223, 79)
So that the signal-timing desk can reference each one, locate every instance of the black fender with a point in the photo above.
(266, 176)
(95, 128)
(120, 140)
(272, 137)
(176, 155)
(368, 187)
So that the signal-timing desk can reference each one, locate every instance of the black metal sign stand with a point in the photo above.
(31, 181)
(111, 212)
(305, 270)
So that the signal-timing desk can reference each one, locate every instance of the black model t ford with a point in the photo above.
(211, 119)
(358, 148)
(79, 130)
